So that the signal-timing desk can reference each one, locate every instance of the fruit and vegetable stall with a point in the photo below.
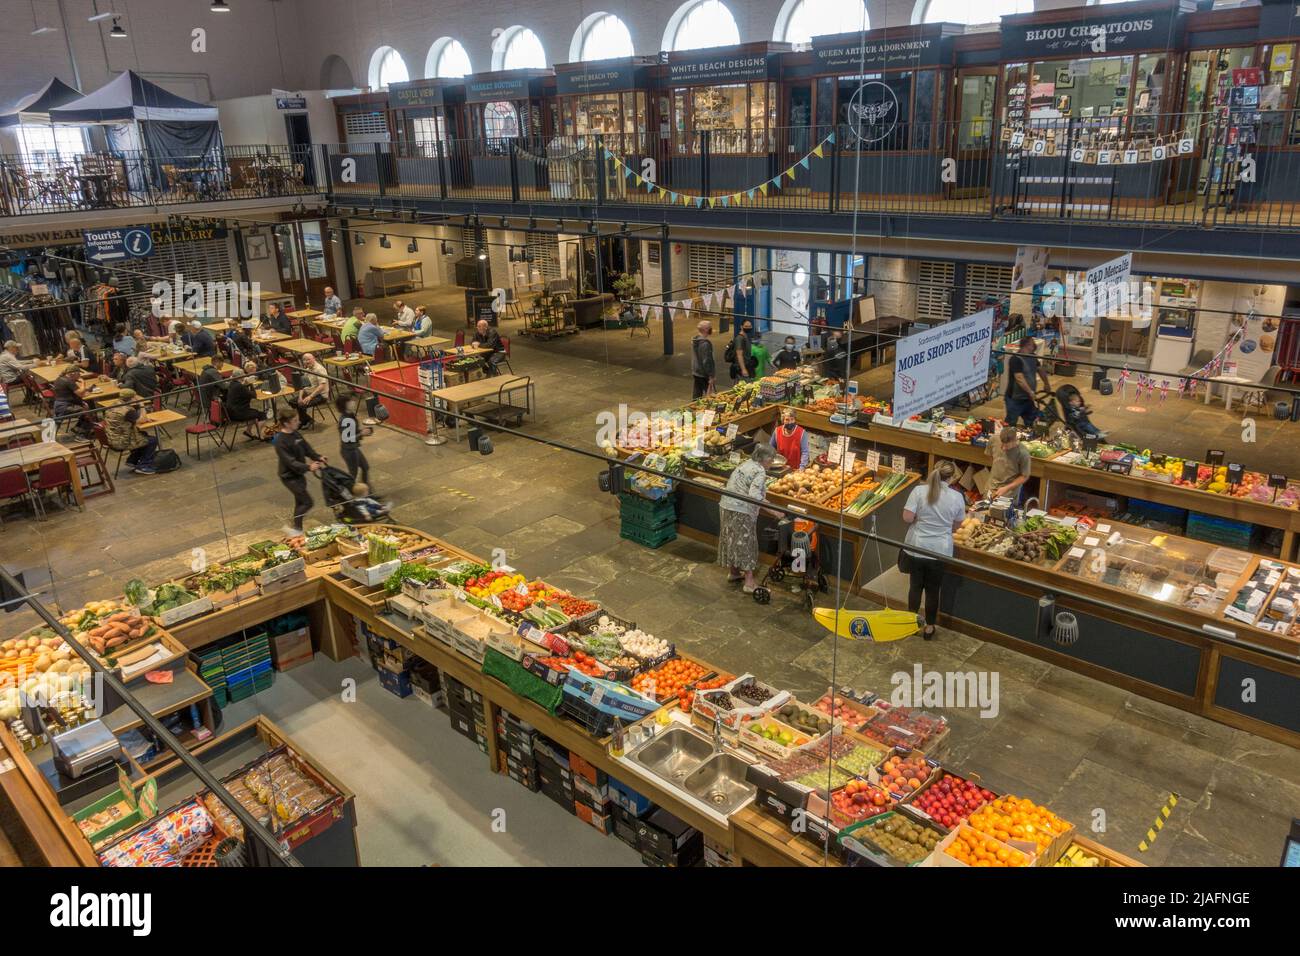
(846, 778)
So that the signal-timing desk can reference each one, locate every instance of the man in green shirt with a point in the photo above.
(760, 358)
(353, 324)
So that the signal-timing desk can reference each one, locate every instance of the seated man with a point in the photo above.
(118, 370)
(405, 318)
(423, 325)
(240, 394)
(370, 335)
(314, 391)
(486, 337)
(212, 381)
(140, 376)
(199, 340)
(70, 399)
(121, 427)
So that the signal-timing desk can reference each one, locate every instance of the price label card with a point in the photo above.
(1076, 552)
(1189, 470)
(1277, 481)
(873, 460)
(1236, 471)
(835, 453)
(597, 696)
(898, 463)
(731, 431)
(1090, 542)
(1214, 457)
(734, 457)
(852, 387)
(706, 417)
(1103, 528)
(849, 458)
(521, 590)
(699, 445)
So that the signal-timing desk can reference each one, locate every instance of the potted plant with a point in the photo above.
(625, 287)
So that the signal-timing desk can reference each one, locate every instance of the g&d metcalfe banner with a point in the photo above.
(933, 366)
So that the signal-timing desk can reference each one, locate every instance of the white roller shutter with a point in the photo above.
(982, 280)
(934, 292)
(711, 267)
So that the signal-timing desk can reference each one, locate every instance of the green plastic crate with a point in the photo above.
(649, 539)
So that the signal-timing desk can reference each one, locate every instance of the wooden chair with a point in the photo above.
(91, 454)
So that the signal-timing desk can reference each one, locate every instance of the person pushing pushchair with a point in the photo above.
(350, 500)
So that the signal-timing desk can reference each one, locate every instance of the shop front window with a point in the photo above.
(1148, 94)
(875, 111)
(1277, 128)
(598, 113)
(425, 133)
(721, 110)
(975, 122)
(500, 120)
(51, 145)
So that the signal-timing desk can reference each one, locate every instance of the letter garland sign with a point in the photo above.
(1038, 143)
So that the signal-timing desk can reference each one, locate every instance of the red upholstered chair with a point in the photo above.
(505, 346)
(52, 474)
(460, 338)
(350, 347)
(214, 428)
(13, 484)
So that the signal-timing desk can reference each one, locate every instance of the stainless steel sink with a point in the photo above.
(674, 754)
(720, 783)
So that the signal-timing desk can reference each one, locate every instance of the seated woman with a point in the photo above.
(240, 395)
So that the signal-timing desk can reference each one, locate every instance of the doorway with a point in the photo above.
(298, 132)
(306, 263)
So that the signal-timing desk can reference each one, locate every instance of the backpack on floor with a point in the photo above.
(166, 460)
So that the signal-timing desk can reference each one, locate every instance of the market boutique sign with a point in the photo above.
(1023, 40)
(840, 54)
(597, 77)
(715, 69)
(492, 91)
(941, 363)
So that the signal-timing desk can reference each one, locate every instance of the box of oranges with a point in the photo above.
(1021, 822)
(965, 846)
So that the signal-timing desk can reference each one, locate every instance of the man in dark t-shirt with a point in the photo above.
(1023, 381)
(69, 400)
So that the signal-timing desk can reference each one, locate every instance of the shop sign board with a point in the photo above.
(499, 88)
(117, 244)
(931, 367)
(845, 52)
(199, 230)
(708, 67)
(1106, 287)
(1030, 268)
(1023, 39)
(599, 76)
(291, 102)
(414, 94)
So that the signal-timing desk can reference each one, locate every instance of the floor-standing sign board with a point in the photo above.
(933, 366)
(115, 245)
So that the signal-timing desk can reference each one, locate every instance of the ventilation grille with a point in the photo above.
(207, 260)
(934, 291)
(545, 248)
(982, 280)
(711, 267)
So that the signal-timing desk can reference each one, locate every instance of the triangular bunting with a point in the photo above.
(726, 200)
(751, 194)
(804, 162)
(790, 172)
(637, 179)
(830, 138)
(649, 186)
(699, 201)
(645, 311)
(818, 151)
(763, 189)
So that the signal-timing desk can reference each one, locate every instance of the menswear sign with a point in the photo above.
(938, 364)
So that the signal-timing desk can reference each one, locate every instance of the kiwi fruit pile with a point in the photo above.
(902, 839)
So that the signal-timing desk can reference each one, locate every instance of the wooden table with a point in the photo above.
(262, 396)
(434, 343)
(104, 391)
(397, 335)
(160, 420)
(194, 367)
(48, 373)
(346, 361)
(406, 266)
(18, 428)
(270, 338)
(335, 324)
(167, 355)
(29, 457)
(455, 397)
(303, 346)
(214, 327)
(304, 315)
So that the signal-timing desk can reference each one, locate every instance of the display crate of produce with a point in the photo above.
(852, 712)
(158, 653)
(904, 773)
(169, 603)
(770, 737)
(283, 572)
(1024, 824)
(776, 794)
(889, 839)
(515, 644)
(595, 703)
(1082, 852)
(405, 607)
(355, 538)
(670, 679)
(965, 847)
(948, 799)
(910, 728)
(555, 669)
(357, 567)
(853, 801)
(166, 841)
(745, 698)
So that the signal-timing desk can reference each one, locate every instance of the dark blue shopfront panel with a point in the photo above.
(1126, 650)
(1276, 695)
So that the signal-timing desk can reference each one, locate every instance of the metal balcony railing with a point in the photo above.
(1228, 169)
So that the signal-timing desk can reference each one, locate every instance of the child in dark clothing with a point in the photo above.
(1076, 415)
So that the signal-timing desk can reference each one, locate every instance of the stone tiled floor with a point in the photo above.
(1093, 752)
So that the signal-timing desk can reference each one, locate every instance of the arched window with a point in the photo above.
(801, 20)
(968, 11)
(518, 48)
(387, 66)
(601, 36)
(701, 23)
(447, 57)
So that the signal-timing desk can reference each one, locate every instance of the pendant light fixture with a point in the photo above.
(219, 6)
(117, 30)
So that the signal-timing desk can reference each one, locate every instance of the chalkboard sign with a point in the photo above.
(1214, 457)
(1190, 469)
(1277, 481)
(1235, 472)
(483, 309)
(1159, 460)
(1122, 467)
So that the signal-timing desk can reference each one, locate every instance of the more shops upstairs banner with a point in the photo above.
(938, 364)
(1107, 30)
